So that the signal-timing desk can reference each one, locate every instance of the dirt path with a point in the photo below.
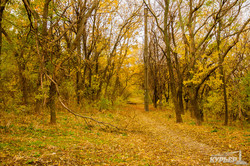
(183, 148)
(180, 148)
(151, 139)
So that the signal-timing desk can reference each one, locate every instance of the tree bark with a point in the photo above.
(146, 63)
(2, 7)
(180, 99)
(52, 88)
(225, 95)
(1, 39)
(221, 59)
(23, 82)
(194, 105)
(51, 102)
(78, 57)
(170, 66)
(196, 110)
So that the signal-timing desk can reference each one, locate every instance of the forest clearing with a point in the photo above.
(124, 82)
(145, 138)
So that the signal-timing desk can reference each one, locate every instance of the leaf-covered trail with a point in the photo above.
(151, 138)
(182, 148)
(178, 147)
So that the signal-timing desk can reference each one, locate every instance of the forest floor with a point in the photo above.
(146, 138)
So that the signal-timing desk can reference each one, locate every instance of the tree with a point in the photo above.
(146, 59)
(199, 41)
(167, 53)
(2, 7)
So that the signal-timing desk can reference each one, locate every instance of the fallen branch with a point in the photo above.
(72, 112)
(86, 117)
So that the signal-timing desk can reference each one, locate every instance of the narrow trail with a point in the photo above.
(180, 148)
(151, 139)
(183, 148)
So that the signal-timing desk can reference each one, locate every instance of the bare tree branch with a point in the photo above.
(156, 19)
(6, 35)
(237, 38)
(72, 112)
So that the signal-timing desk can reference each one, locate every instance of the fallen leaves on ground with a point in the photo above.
(149, 138)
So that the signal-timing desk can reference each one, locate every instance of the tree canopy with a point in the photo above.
(90, 53)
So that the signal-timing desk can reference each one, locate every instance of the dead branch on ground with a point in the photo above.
(78, 115)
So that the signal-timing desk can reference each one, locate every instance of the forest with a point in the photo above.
(130, 82)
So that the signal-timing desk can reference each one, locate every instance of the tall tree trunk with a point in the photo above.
(78, 72)
(39, 101)
(155, 96)
(51, 103)
(2, 7)
(78, 86)
(1, 39)
(167, 94)
(225, 96)
(52, 88)
(23, 83)
(114, 93)
(221, 59)
(90, 83)
(180, 99)
(146, 63)
(196, 110)
(194, 105)
(170, 66)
